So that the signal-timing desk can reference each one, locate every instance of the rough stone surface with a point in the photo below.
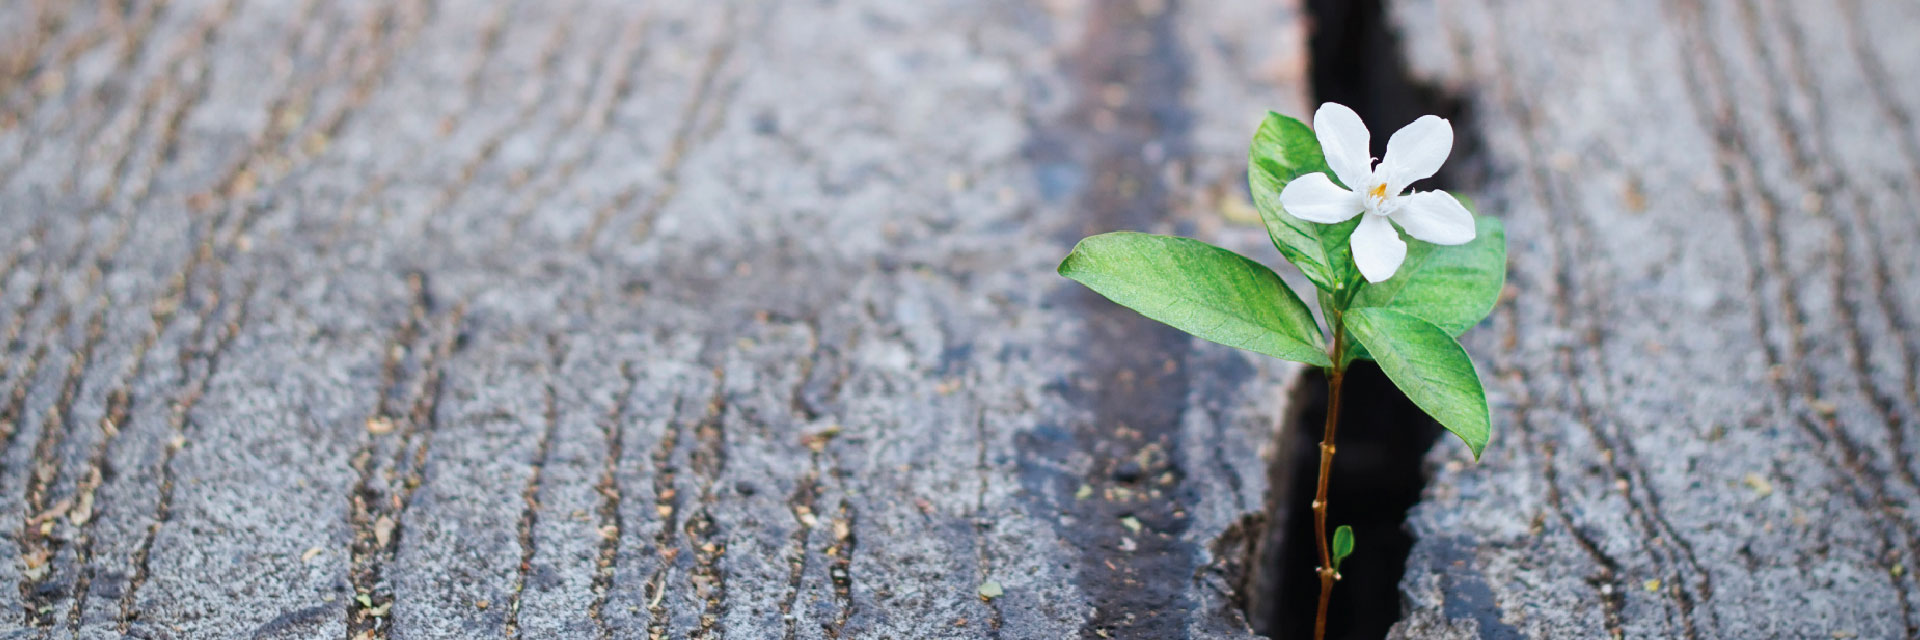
(1705, 376)
(691, 319)
(589, 318)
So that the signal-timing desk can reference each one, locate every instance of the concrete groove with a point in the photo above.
(17, 397)
(1608, 585)
(248, 172)
(981, 522)
(171, 126)
(667, 507)
(1805, 380)
(669, 168)
(1878, 81)
(1906, 345)
(404, 411)
(803, 502)
(543, 456)
(162, 314)
(709, 459)
(631, 53)
(377, 66)
(34, 530)
(530, 103)
(282, 111)
(1815, 175)
(613, 429)
(841, 552)
(1128, 404)
(206, 30)
(490, 38)
(1763, 237)
(112, 423)
(1619, 456)
(135, 47)
(13, 412)
(373, 188)
(18, 69)
(423, 422)
(18, 61)
(181, 425)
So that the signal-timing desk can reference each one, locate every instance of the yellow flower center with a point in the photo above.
(1379, 191)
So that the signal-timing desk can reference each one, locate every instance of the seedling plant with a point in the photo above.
(1339, 218)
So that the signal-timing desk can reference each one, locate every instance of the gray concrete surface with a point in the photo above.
(1705, 376)
(580, 319)
(596, 319)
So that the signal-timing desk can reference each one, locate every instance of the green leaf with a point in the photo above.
(1210, 292)
(1430, 367)
(1342, 545)
(1356, 351)
(1283, 149)
(1454, 287)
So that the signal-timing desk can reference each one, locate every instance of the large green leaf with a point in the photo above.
(1454, 287)
(1201, 289)
(1430, 367)
(1284, 149)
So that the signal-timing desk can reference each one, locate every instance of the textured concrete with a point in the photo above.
(705, 319)
(604, 319)
(1706, 409)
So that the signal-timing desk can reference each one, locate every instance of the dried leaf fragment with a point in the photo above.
(383, 530)
(379, 425)
(991, 589)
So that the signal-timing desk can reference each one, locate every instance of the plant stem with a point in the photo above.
(1334, 376)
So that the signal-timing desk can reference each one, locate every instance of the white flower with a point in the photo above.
(1413, 153)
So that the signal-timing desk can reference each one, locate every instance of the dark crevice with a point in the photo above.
(1377, 476)
(1378, 472)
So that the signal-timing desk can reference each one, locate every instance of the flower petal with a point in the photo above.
(1377, 248)
(1436, 217)
(1416, 151)
(1345, 141)
(1315, 198)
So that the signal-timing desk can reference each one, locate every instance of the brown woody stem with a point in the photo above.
(1334, 376)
